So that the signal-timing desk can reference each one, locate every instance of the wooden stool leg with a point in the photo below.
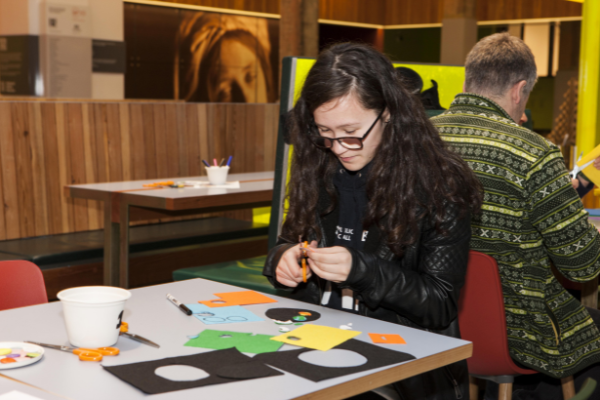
(505, 391)
(473, 388)
(568, 387)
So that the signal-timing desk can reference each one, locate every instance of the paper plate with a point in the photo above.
(23, 354)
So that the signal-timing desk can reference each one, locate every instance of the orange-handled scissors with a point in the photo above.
(124, 330)
(84, 354)
(304, 245)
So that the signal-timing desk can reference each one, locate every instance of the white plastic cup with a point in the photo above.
(93, 314)
(217, 175)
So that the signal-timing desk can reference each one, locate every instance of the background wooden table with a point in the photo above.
(130, 201)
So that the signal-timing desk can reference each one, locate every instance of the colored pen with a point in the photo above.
(221, 163)
(215, 162)
(179, 304)
(205, 163)
(229, 160)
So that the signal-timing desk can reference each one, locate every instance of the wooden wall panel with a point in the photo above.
(397, 12)
(492, 10)
(22, 149)
(431, 11)
(364, 11)
(38, 164)
(52, 169)
(413, 12)
(45, 145)
(9, 174)
(262, 6)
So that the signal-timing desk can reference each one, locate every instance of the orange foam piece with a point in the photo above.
(304, 313)
(244, 298)
(387, 338)
(7, 360)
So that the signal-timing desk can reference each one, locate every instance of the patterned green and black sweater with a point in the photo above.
(531, 217)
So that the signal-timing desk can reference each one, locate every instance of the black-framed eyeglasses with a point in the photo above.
(352, 143)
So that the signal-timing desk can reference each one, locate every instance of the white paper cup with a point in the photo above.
(93, 314)
(217, 175)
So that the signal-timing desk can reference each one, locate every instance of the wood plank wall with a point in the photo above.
(396, 12)
(45, 145)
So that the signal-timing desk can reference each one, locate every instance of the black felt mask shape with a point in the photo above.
(376, 357)
(286, 314)
(223, 366)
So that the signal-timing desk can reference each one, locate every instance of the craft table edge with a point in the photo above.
(391, 375)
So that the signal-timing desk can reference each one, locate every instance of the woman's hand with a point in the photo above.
(330, 263)
(289, 270)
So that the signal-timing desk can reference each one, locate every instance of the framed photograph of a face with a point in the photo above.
(200, 56)
(224, 58)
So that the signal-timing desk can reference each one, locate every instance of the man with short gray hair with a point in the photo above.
(531, 216)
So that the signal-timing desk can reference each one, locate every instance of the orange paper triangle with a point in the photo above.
(387, 338)
(245, 298)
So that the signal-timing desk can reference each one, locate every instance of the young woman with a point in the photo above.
(384, 204)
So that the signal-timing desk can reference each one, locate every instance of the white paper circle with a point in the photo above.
(180, 373)
(334, 358)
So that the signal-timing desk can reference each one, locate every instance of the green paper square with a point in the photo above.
(244, 342)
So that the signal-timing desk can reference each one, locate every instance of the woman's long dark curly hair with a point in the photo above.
(413, 175)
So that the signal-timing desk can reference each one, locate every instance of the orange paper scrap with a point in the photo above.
(244, 298)
(387, 338)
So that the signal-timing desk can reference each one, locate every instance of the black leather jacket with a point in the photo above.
(419, 290)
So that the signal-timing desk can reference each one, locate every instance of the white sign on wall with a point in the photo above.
(66, 51)
(68, 20)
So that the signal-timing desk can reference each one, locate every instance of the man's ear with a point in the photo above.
(516, 92)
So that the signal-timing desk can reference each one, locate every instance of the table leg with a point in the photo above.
(111, 245)
(124, 245)
(589, 293)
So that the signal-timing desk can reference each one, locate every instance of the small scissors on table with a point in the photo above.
(125, 331)
(577, 169)
(84, 354)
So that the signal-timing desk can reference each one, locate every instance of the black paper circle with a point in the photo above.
(288, 314)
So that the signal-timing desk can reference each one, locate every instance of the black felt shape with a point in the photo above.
(247, 370)
(142, 376)
(376, 357)
(286, 314)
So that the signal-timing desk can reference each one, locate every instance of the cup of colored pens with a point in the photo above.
(217, 173)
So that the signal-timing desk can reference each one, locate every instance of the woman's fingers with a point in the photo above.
(330, 255)
(287, 274)
(332, 263)
(289, 270)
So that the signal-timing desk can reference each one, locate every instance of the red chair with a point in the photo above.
(483, 322)
(21, 284)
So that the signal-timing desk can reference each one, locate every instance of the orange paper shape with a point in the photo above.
(387, 338)
(245, 298)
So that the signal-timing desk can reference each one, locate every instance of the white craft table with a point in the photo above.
(130, 201)
(8, 385)
(149, 314)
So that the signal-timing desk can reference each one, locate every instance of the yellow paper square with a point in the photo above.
(591, 171)
(316, 337)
